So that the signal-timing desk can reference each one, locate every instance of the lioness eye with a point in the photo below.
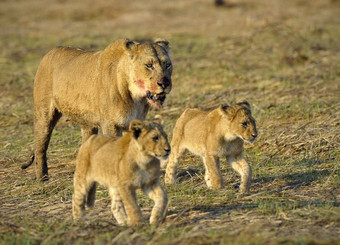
(245, 124)
(149, 66)
(156, 138)
(168, 66)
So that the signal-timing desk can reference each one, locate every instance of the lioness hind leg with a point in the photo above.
(242, 167)
(117, 206)
(44, 123)
(171, 168)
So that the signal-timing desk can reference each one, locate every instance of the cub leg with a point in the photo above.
(213, 176)
(133, 212)
(117, 206)
(44, 123)
(240, 165)
(86, 132)
(157, 194)
(78, 198)
(171, 169)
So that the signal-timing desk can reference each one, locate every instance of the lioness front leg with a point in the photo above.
(117, 206)
(128, 195)
(86, 132)
(213, 176)
(240, 165)
(157, 194)
(111, 130)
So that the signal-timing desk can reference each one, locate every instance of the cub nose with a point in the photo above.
(165, 82)
(254, 135)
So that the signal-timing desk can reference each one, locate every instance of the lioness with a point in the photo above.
(211, 135)
(123, 164)
(106, 89)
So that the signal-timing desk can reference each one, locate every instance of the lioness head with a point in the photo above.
(151, 69)
(242, 122)
(151, 138)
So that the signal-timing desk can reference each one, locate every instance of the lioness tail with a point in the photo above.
(29, 162)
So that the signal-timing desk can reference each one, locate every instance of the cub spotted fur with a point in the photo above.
(107, 89)
(123, 164)
(212, 135)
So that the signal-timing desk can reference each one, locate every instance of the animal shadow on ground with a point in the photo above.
(287, 181)
(291, 181)
(186, 174)
(218, 211)
(294, 180)
(208, 212)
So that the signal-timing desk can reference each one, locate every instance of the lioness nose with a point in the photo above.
(165, 82)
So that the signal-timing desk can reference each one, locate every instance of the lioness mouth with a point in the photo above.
(156, 97)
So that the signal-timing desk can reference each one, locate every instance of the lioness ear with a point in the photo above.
(158, 119)
(136, 127)
(163, 43)
(226, 110)
(244, 103)
(130, 45)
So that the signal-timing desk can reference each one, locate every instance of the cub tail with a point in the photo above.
(91, 195)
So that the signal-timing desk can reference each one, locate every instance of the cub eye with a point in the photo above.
(148, 66)
(168, 66)
(245, 124)
(156, 138)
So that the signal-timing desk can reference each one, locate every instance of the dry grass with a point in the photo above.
(282, 56)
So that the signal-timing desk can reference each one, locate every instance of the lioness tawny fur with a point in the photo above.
(106, 89)
(123, 164)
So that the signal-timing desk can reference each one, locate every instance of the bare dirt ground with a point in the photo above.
(282, 56)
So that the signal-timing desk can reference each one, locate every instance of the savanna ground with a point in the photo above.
(282, 56)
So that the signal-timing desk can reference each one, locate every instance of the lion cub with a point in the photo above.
(123, 164)
(211, 135)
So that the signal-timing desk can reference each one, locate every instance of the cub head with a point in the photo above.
(242, 123)
(151, 70)
(151, 138)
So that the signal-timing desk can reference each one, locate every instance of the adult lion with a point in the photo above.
(106, 89)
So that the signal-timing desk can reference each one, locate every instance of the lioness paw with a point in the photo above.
(169, 180)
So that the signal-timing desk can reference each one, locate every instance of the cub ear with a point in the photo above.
(158, 119)
(244, 103)
(226, 110)
(136, 127)
(163, 43)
